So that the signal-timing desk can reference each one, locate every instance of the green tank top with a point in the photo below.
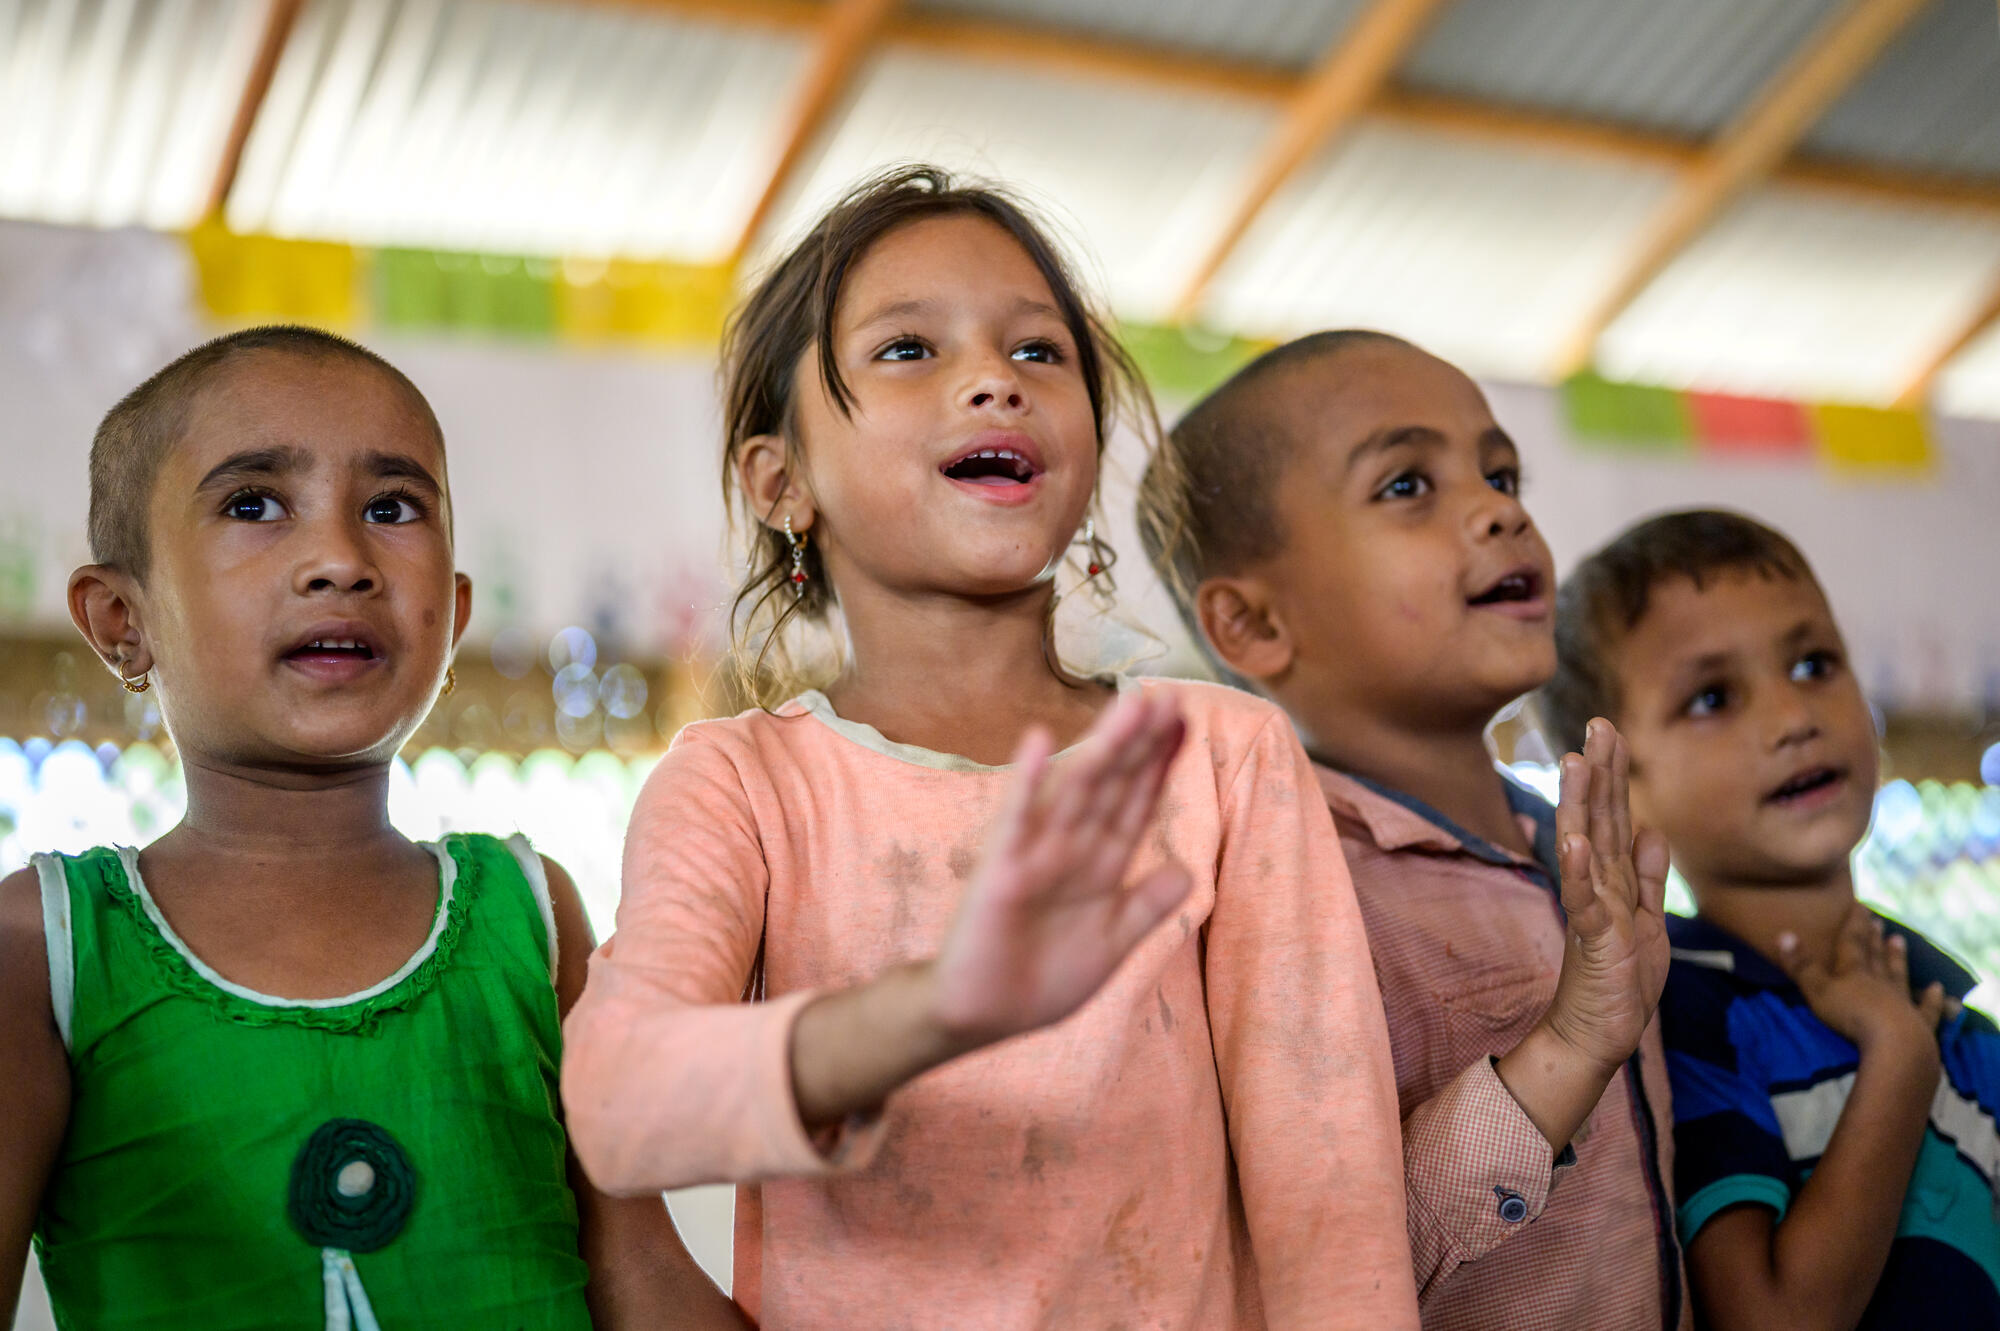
(233, 1160)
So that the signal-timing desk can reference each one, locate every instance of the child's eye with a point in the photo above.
(1507, 480)
(1708, 701)
(250, 506)
(1041, 350)
(393, 508)
(1815, 665)
(1406, 485)
(904, 348)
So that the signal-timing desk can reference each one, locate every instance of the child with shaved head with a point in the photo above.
(1342, 527)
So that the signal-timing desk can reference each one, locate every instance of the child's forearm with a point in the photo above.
(852, 1049)
(1556, 1086)
(1822, 1261)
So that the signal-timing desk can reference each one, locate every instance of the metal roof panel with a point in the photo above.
(1931, 101)
(1677, 66)
(1285, 33)
(1486, 256)
(1795, 293)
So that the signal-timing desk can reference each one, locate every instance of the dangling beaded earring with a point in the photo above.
(798, 575)
(1098, 558)
(145, 679)
(450, 681)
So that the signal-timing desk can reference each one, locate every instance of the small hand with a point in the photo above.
(1863, 990)
(1614, 891)
(1048, 917)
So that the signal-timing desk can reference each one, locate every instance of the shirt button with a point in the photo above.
(1513, 1207)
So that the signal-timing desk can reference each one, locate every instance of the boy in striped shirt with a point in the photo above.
(1835, 1152)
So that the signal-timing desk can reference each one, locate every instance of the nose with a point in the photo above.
(1790, 719)
(337, 560)
(1494, 514)
(993, 383)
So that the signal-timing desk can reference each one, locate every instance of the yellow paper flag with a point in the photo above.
(1873, 439)
(263, 277)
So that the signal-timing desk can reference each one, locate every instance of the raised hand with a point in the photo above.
(1614, 891)
(1048, 916)
(1863, 990)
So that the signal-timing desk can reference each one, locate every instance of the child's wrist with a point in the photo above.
(1902, 1036)
(1559, 1031)
(941, 1032)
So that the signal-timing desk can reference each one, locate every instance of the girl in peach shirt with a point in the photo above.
(1085, 1038)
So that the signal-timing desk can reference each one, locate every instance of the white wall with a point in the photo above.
(586, 492)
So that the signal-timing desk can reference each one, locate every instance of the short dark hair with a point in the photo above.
(790, 313)
(1205, 504)
(135, 436)
(1606, 597)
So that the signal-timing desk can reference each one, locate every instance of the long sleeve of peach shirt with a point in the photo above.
(1078, 1175)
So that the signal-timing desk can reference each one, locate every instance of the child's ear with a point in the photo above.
(461, 608)
(1243, 628)
(770, 485)
(103, 605)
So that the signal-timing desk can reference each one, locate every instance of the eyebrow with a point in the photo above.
(1392, 436)
(1800, 632)
(253, 463)
(897, 309)
(398, 465)
(286, 459)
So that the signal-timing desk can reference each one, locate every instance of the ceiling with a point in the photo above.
(1523, 185)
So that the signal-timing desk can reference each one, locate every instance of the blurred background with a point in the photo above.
(1718, 252)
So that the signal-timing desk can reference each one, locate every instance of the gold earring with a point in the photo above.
(145, 680)
(450, 681)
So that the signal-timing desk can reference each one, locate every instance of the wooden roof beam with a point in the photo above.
(278, 22)
(847, 36)
(1917, 392)
(1354, 69)
(1746, 152)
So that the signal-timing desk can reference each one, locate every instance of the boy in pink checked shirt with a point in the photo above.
(1342, 528)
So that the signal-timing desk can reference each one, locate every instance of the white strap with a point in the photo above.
(60, 941)
(538, 882)
(347, 1306)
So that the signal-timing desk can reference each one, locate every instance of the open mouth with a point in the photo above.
(330, 648)
(1805, 785)
(992, 466)
(1520, 585)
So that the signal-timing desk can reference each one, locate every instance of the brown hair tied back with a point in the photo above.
(791, 312)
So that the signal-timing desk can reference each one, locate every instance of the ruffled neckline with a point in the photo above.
(459, 882)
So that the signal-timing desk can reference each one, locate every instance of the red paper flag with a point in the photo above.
(1750, 426)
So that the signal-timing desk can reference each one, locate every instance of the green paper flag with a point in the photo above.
(1603, 411)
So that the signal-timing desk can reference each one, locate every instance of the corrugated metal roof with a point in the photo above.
(1487, 256)
(1794, 293)
(1141, 178)
(516, 128)
(1931, 100)
(1680, 66)
(1286, 33)
(116, 112)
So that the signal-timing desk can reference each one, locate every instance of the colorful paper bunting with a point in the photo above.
(263, 277)
(1627, 415)
(1750, 426)
(684, 305)
(1871, 439)
(1184, 364)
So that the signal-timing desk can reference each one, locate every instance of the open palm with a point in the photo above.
(1048, 916)
(1614, 889)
